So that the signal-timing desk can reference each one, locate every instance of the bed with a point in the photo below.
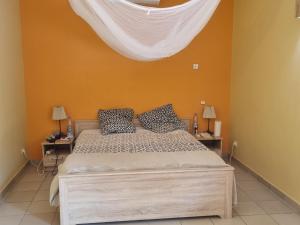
(122, 186)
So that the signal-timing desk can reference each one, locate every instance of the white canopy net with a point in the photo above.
(145, 33)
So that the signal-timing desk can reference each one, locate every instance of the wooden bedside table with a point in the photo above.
(56, 152)
(213, 143)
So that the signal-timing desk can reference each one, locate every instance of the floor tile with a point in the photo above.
(196, 221)
(27, 172)
(26, 186)
(46, 184)
(238, 169)
(40, 207)
(244, 177)
(261, 195)
(10, 209)
(242, 196)
(248, 208)
(38, 219)
(234, 221)
(287, 219)
(32, 177)
(42, 196)
(20, 196)
(11, 220)
(289, 204)
(30, 168)
(274, 207)
(259, 220)
(251, 185)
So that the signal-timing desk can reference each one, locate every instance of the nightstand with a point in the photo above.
(56, 152)
(213, 143)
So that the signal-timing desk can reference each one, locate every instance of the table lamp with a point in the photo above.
(59, 114)
(209, 113)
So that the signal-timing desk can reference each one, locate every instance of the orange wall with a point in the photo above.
(67, 64)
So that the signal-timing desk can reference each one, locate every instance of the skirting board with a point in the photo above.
(290, 201)
(13, 179)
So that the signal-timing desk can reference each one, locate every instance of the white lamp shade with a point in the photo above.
(209, 112)
(59, 113)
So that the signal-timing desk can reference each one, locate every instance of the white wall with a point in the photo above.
(12, 99)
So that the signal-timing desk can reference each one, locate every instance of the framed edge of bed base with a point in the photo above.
(145, 195)
(81, 125)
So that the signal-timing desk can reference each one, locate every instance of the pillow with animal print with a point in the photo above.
(161, 120)
(116, 121)
(125, 112)
(116, 125)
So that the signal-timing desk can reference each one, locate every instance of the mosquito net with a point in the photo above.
(145, 33)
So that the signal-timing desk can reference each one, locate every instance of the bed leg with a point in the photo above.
(63, 195)
(228, 197)
(228, 213)
(64, 221)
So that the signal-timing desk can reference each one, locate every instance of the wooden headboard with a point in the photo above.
(81, 125)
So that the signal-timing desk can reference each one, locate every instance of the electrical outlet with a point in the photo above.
(202, 102)
(234, 148)
(23, 152)
(235, 144)
(195, 66)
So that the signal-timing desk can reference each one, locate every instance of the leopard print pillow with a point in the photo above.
(167, 127)
(125, 112)
(116, 125)
(161, 120)
(116, 121)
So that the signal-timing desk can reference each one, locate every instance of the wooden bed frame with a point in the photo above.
(144, 195)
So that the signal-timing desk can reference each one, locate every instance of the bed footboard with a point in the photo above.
(145, 195)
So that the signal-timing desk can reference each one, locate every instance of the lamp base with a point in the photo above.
(61, 134)
(208, 130)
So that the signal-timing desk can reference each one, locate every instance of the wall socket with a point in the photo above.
(23, 152)
(195, 66)
(235, 144)
(202, 102)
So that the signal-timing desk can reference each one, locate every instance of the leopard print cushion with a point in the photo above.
(116, 125)
(161, 120)
(126, 112)
(115, 121)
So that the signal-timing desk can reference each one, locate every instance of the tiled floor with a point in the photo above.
(26, 203)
